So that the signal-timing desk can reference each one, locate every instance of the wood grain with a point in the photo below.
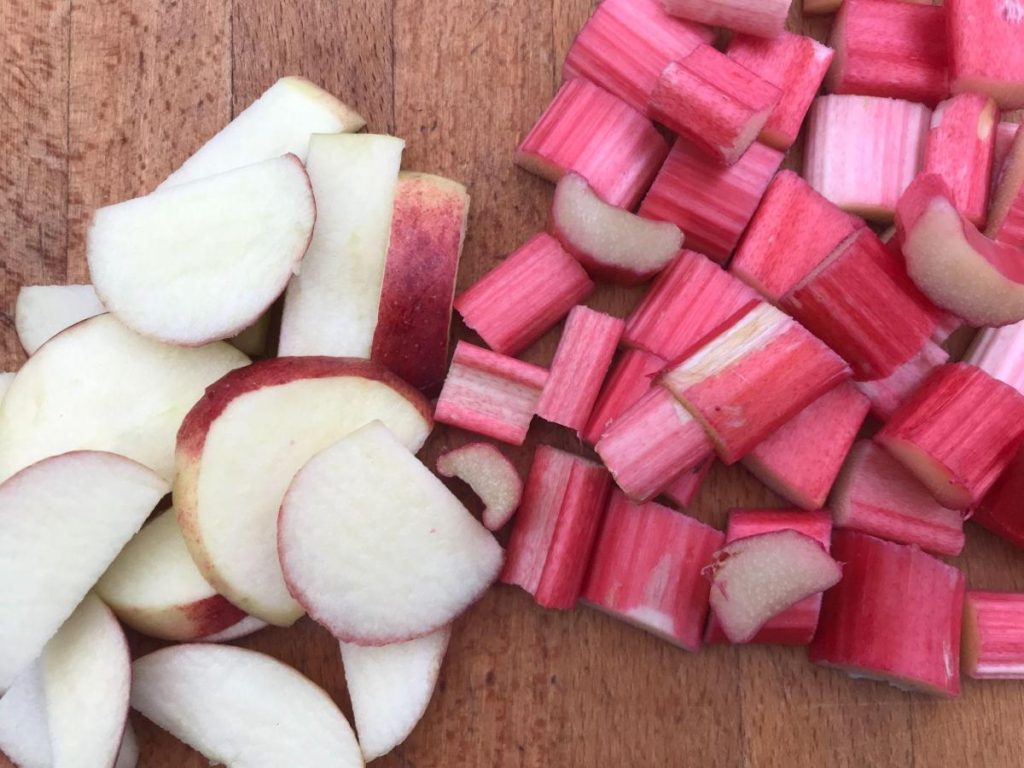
(100, 99)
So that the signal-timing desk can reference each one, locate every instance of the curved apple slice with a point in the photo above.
(612, 243)
(390, 687)
(952, 263)
(492, 477)
(5, 384)
(243, 708)
(43, 311)
(24, 732)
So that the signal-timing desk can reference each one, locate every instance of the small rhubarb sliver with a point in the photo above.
(492, 477)
(993, 635)
(631, 378)
(765, 18)
(1006, 218)
(999, 352)
(888, 394)
(1001, 511)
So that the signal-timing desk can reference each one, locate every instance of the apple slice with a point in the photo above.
(757, 578)
(43, 311)
(375, 547)
(390, 687)
(244, 628)
(128, 753)
(100, 386)
(24, 731)
(492, 477)
(952, 263)
(6, 379)
(62, 522)
(243, 442)
(155, 588)
(611, 243)
(242, 708)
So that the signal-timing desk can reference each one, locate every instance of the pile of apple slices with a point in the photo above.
(293, 481)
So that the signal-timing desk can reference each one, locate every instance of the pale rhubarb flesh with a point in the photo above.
(491, 476)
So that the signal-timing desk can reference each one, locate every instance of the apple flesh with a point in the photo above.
(375, 547)
(43, 311)
(491, 476)
(5, 383)
(247, 626)
(24, 732)
(128, 753)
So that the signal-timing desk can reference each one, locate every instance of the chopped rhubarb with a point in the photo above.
(1006, 219)
(1001, 510)
(876, 494)
(607, 142)
(690, 300)
(647, 570)
(715, 103)
(687, 484)
(627, 43)
(764, 18)
(492, 477)
(556, 527)
(957, 433)
(895, 616)
(801, 459)
(893, 49)
(751, 379)
(1006, 132)
(886, 395)
(651, 444)
(581, 362)
(993, 635)
(711, 204)
(985, 50)
(515, 303)
(999, 352)
(796, 65)
(792, 232)
(863, 151)
(490, 394)
(631, 378)
(817, 7)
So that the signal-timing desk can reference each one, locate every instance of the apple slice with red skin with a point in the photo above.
(492, 477)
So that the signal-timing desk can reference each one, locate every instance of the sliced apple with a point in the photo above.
(278, 123)
(952, 263)
(244, 628)
(375, 547)
(390, 687)
(242, 444)
(5, 383)
(103, 387)
(24, 731)
(611, 243)
(242, 708)
(128, 754)
(43, 311)
(491, 476)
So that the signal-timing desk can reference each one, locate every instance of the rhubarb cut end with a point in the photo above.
(492, 477)
(930, 472)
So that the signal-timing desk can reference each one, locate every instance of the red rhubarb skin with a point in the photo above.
(765, 18)
(687, 484)
(999, 352)
(630, 379)
(994, 635)
(985, 49)
(518, 301)
(895, 615)
(888, 394)
(647, 564)
(1002, 509)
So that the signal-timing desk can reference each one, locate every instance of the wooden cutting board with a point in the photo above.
(101, 99)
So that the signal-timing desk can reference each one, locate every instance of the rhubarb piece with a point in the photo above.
(817, 7)
(630, 379)
(1006, 132)
(647, 570)
(863, 151)
(492, 477)
(556, 527)
(612, 244)
(796, 65)
(801, 459)
(764, 18)
(581, 362)
(687, 484)
(993, 635)
(793, 231)
(1006, 218)
(713, 102)
(876, 494)
(886, 395)
(959, 149)
(606, 141)
(957, 433)
(651, 444)
(895, 616)
(754, 377)
(515, 303)
(958, 268)
(626, 44)
(1001, 511)
(893, 49)
(999, 352)
(986, 55)
(490, 394)
(43, 311)
(711, 204)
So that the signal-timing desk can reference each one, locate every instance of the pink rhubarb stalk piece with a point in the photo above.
(611, 243)
(957, 433)
(895, 616)
(626, 44)
(796, 624)
(802, 458)
(581, 362)
(959, 149)
(492, 477)
(692, 299)
(490, 394)
(1006, 132)
(993, 635)
(687, 484)
(515, 303)
(863, 151)
(647, 570)
(711, 204)
(892, 49)
(876, 494)
(556, 527)
(630, 379)
(793, 231)
(819, 7)
(999, 352)
(751, 379)
(1001, 510)
(986, 55)
(1006, 218)
(888, 394)
(794, 64)
(607, 142)
(764, 18)
(715, 103)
